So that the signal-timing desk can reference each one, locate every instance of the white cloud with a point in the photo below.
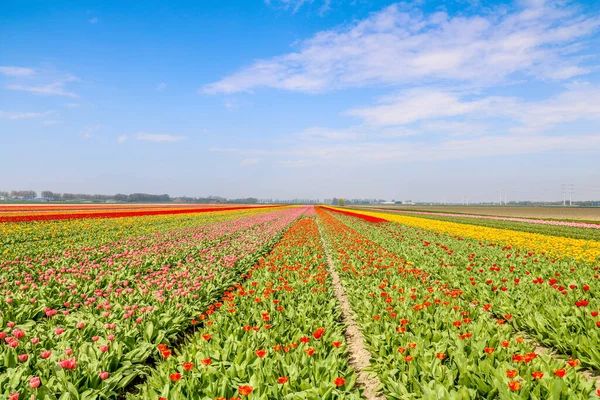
(72, 105)
(121, 139)
(56, 88)
(89, 131)
(249, 161)
(431, 124)
(402, 45)
(23, 115)
(295, 5)
(415, 105)
(455, 128)
(161, 86)
(367, 153)
(353, 133)
(94, 20)
(580, 101)
(16, 71)
(159, 137)
(231, 104)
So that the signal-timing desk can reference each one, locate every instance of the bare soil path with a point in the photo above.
(359, 356)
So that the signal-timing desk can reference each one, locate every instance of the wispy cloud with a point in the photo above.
(56, 88)
(94, 20)
(89, 131)
(16, 71)
(295, 5)
(122, 139)
(368, 153)
(12, 115)
(150, 137)
(432, 124)
(417, 104)
(404, 45)
(579, 101)
(161, 86)
(249, 161)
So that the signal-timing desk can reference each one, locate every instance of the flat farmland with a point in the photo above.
(294, 302)
(558, 213)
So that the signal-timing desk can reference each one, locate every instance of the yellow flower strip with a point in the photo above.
(559, 247)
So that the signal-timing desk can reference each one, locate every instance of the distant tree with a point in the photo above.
(149, 198)
(334, 202)
(68, 196)
(48, 195)
(3, 194)
(23, 194)
(120, 197)
(341, 202)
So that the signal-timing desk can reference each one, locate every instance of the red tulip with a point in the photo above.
(69, 363)
(245, 390)
(514, 386)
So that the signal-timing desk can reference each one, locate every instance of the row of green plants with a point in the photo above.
(556, 301)
(102, 337)
(427, 341)
(544, 229)
(275, 336)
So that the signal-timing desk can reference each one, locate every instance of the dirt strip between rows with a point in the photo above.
(592, 376)
(358, 354)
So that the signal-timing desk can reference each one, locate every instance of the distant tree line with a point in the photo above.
(215, 200)
(47, 195)
(335, 201)
(19, 194)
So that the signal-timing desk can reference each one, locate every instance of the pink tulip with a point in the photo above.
(35, 382)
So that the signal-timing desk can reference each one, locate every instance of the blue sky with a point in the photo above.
(290, 98)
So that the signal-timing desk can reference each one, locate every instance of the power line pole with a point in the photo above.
(501, 194)
(564, 192)
(571, 195)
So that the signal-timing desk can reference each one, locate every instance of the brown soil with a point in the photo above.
(590, 375)
(359, 356)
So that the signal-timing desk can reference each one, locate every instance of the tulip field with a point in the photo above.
(238, 302)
